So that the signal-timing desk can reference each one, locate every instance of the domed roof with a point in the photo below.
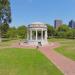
(37, 23)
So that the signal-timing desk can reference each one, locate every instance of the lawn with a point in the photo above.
(67, 47)
(7, 43)
(16, 61)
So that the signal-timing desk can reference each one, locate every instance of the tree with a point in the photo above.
(5, 11)
(61, 34)
(22, 31)
(62, 31)
(71, 34)
(5, 14)
(4, 29)
(50, 30)
(63, 28)
(11, 33)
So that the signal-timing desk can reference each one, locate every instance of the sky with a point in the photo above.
(25, 12)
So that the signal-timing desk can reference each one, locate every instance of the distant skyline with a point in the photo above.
(27, 11)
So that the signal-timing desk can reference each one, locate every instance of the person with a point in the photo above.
(37, 46)
(19, 43)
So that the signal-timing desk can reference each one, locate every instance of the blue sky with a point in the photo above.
(27, 11)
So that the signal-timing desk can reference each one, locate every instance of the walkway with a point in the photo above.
(23, 45)
(66, 65)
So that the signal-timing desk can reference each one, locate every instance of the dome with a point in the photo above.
(37, 23)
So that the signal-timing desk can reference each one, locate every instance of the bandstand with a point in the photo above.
(37, 33)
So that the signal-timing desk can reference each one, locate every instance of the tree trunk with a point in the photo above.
(0, 37)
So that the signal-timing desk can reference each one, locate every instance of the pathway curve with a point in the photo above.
(66, 65)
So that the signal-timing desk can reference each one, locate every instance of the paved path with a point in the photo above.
(66, 65)
(22, 45)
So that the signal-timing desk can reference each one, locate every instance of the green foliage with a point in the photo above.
(61, 34)
(5, 17)
(5, 11)
(12, 33)
(22, 32)
(63, 28)
(62, 31)
(4, 28)
(50, 30)
(71, 34)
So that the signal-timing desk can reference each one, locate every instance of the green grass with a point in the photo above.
(15, 61)
(7, 43)
(67, 47)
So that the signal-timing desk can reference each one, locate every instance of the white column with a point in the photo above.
(42, 34)
(27, 34)
(30, 34)
(46, 35)
(36, 35)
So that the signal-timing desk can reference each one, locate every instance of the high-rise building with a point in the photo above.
(57, 23)
(72, 24)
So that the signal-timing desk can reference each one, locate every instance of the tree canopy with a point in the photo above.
(5, 11)
(22, 31)
(5, 17)
(63, 28)
(50, 30)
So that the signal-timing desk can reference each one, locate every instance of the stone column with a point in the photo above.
(30, 34)
(42, 34)
(46, 35)
(27, 34)
(36, 35)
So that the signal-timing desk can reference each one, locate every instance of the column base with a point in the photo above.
(37, 42)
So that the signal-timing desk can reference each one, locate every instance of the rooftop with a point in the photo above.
(37, 24)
